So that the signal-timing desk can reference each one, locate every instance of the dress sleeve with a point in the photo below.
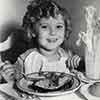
(76, 62)
(19, 64)
(19, 67)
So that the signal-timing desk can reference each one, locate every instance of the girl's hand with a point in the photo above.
(8, 71)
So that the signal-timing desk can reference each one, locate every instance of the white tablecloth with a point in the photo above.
(71, 96)
(7, 88)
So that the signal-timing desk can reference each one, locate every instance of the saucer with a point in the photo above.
(85, 91)
(83, 78)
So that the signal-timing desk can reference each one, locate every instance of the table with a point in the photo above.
(8, 89)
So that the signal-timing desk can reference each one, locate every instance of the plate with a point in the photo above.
(83, 78)
(62, 88)
(85, 91)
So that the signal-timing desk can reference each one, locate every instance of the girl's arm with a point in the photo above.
(76, 62)
(20, 63)
(9, 71)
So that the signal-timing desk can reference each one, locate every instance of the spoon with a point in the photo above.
(30, 78)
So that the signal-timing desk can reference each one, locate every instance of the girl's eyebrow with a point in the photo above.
(56, 23)
(60, 23)
(42, 23)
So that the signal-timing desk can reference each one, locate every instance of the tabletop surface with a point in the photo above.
(4, 88)
(7, 90)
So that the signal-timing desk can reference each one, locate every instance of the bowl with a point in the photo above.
(94, 89)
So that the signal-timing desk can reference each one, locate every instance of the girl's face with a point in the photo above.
(51, 32)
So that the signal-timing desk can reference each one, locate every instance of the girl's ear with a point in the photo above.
(33, 35)
(30, 34)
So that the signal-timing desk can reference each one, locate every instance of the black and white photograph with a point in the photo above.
(49, 49)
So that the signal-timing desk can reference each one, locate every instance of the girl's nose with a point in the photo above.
(52, 31)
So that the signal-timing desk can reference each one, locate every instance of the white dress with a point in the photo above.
(33, 61)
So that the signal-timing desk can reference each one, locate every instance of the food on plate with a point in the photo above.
(95, 89)
(53, 82)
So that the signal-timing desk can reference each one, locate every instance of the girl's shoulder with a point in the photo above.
(24, 55)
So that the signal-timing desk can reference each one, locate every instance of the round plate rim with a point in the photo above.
(83, 78)
(52, 93)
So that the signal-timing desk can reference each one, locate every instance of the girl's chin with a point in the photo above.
(54, 45)
(51, 49)
(51, 46)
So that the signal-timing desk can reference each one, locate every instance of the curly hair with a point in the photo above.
(38, 9)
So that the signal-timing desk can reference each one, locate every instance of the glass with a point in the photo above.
(91, 39)
(92, 62)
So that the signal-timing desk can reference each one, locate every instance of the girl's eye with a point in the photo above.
(59, 26)
(44, 26)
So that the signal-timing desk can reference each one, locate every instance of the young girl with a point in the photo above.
(49, 26)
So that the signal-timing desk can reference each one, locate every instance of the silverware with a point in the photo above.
(30, 78)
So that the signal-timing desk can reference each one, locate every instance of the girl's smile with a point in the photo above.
(52, 40)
